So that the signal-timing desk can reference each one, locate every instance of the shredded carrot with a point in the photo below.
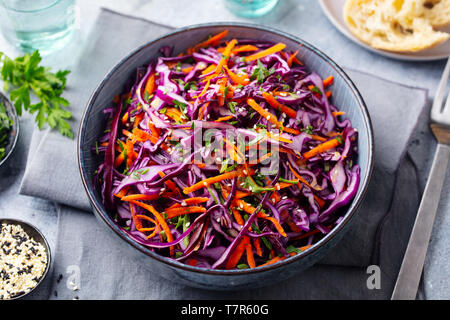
(209, 181)
(210, 69)
(244, 48)
(249, 251)
(250, 209)
(169, 183)
(320, 201)
(188, 69)
(122, 192)
(257, 245)
(272, 261)
(226, 55)
(150, 85)
(160, 220)
(292, 58)
(338, 113)
(202, 111)
(278, 106)
(214, 40)
(298, 176)
(328, 81)
(190, 201)
(242, 80)
(237, 217)
(221, 119)
(330, 144)
(221, 94)
(261, 54)
(328, 94)
(274, 221)
(236, 255)
(125, 118)
(137, 222)
(140, 197)
(318, 138)
(138, 119)
(264, 113)
(175, 212)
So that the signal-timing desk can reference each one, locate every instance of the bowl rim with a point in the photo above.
(46, 246)
(234, 272)
(11, 110)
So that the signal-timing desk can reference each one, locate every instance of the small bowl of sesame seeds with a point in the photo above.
(25, 258)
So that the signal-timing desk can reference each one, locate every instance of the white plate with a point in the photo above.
(333, 10)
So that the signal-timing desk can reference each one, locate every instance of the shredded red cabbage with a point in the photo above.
(230, 155)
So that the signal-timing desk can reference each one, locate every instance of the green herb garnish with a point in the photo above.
(260, 73)
(23, 76)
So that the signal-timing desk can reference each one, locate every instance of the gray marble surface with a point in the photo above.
(317, 30)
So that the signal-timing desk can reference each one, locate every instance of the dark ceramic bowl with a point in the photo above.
(37, 236)
(345, 95)
(14, 132)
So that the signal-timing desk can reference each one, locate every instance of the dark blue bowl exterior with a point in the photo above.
(345, 96)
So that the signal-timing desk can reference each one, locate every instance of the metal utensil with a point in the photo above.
(412, 265)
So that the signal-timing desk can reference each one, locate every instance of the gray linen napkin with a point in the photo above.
(392, 197)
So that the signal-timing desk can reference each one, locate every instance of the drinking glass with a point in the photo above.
(250, 8)
(46, 25)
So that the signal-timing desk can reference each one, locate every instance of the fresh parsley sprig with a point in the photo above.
(23, 76)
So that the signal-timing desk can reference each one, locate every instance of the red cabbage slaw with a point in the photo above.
(272, 178)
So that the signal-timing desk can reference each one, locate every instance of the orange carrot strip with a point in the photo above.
(242, 80)
(210, 69)
(276, 48)
(188, 69)
(328, 81)
(125, 118)
(236, 255)
(318, 138)
(122, 192)
(137, 222)
(175, 212)
(160, 220)
(292, 58)
(150, 85)
(274, 221)
(298, 176)
(250, 209)
(138, 119)
(264, 113)
(257, 245)
(249, 251)
(190, 201)
(328, 94)
(237, 217)
(207, 182)
(278, 106)
(221, 119)
(330, 144)
(140, 197)
(211, 41)
(338, 113)
(272, 261)
(226, 55)
(244, 48)
(141, 216)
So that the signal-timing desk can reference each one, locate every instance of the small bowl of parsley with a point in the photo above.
(9, 128)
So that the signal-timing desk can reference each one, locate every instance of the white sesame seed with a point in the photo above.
(183, 203)
(205, 184)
